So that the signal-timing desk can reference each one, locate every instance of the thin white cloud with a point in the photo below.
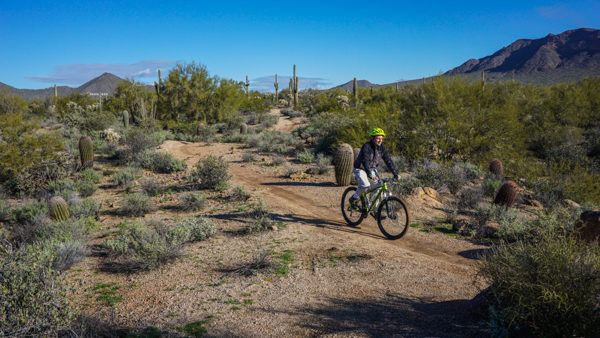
(266, 83)
(77, 74)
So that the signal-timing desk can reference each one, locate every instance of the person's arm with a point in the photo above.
(388, 162)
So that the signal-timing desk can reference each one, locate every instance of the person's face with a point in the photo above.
(378, 140)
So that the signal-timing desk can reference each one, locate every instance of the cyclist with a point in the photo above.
(367, 162)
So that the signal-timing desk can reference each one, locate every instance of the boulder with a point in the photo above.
(431, 193)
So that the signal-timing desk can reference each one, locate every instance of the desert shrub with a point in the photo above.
(64, 188)
(551, 193)
(260, 224)
(274, 142)
(192, 201)
(197, 229)
(69, 230)
(238, 193)
(306, 156)
(466, 171)
(210, 172)
(138, 140)
(547, 288)
(124, 177)
(206, 133)
(248, 157)
(277, 160)
(90, 175)
(141, 247)
(406, 185)
(88, 180)
(68, 253)
(235, 138)
(322, 165)
(258, 209)
(469, 198)
(85, 208)
(268, 121)
(435, 175)
(151, 186)
(511, 226)
(29, 211)
(291, 113)
(136, 204)
(86, 188)
(491, 185)
(161, 162)
(32, 296)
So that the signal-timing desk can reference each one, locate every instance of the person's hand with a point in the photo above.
(372, 175)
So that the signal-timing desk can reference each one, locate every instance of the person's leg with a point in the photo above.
(363, 182)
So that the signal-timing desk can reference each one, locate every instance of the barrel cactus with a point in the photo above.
(344, 158)
(507, 194)
(125, 119)
(496, 168)
(243, 128)
(58, 208)
(86, 151)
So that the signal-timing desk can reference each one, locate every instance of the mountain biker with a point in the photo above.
(367, 162)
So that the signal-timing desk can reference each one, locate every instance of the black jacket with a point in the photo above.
(369, 157)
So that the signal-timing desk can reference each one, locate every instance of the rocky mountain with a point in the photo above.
(105, 83)
(571, 55)
(361, 84)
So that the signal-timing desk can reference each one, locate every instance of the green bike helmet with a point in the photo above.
(377, 132)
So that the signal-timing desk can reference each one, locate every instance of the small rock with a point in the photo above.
(571, 204)
(274, 228)
(528, 200)
(432, 193)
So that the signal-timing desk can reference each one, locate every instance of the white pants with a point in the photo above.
(362, 180)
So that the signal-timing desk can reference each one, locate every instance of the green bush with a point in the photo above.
(151, 186)
(248, 157)
(197, 229)
(306, 156)
(192, 201)
(124, 177)
(274, 142)
(469, 198)
(490, 186)
(88, 180)
(85, 208)
(32, 296)
(322, 165)
(239, 194)
(136, 204)
(210, 172)
(547, 288)
(161, 162)
(140, 246)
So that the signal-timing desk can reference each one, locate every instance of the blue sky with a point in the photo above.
(70, 42)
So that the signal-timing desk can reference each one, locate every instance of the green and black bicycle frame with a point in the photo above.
(380, 190)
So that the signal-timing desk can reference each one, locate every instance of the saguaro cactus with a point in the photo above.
(125, 119)
(295, 88)
(507, 194)
(276, 84)
(86, 151)
(247, 85)
(354, 91)
(344, 158)
(496, 167)
(243, 128)
(58, 208)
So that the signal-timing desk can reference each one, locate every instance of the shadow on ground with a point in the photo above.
(395, 315)
(301, 184)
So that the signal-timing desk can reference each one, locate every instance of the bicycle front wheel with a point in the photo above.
(392, 217)
(352, 215)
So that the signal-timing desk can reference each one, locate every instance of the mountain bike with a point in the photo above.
(390, 211)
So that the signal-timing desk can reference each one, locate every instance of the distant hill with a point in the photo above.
(106, 84)
(361, 84)
(568, 56)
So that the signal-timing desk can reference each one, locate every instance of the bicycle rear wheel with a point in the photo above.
(352, 215)
(392, 217)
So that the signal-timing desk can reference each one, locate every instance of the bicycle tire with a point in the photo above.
(393, 209)
(352, 217)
